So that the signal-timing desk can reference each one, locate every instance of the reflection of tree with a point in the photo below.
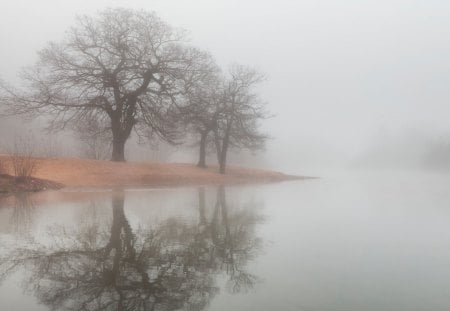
(235, 244)
(23, 212)
(168, 267)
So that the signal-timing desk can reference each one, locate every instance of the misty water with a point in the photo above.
(347, 241)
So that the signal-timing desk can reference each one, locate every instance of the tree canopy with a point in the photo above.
(124, 65)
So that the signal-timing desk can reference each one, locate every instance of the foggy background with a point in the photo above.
(355, 83)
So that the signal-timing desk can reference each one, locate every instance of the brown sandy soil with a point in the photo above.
(81, 173)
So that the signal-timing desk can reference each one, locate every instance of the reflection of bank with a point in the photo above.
(170, 266)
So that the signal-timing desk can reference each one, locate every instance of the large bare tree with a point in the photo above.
(126, 65)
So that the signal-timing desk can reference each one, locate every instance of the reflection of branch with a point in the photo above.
(241, 281)
(236, 247)
(168, 267)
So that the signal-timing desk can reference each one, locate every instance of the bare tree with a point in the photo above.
(202, 108)
(240, 113)
(124, 65)
(50, 146)
(23, 158)
(95, 135)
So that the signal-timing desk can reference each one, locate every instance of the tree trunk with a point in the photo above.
(223, 154)
(217, 143)
(202, 159)
(118, 152)
(223, 160)
(121, 133)
(121, 126)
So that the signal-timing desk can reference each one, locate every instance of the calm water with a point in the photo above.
(373, 241)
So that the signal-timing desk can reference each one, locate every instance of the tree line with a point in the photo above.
(126, 71)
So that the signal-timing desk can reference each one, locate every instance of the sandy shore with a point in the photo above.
(81, 173)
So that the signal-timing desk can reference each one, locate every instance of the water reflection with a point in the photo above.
(168, 266)
(24, 210)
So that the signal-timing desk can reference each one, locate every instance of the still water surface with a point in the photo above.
(372, 241)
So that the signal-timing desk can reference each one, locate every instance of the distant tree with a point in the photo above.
(128, 66)
(202, 109)
(95, 136)
(240, 113)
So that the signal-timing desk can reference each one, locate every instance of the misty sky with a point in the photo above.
(341, 73)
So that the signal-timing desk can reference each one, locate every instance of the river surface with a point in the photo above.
(348, 241)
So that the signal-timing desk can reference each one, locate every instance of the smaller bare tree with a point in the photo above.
(241, 111)
(49, 147)
(95, 135)
(22, 156)
(202, 108)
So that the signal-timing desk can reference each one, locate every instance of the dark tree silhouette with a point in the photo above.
(127, 66)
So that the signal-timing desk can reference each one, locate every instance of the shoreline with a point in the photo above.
(77, 174)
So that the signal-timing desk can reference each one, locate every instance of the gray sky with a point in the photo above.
(341, 73)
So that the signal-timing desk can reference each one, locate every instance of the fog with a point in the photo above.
(358, 95)
(351, 83)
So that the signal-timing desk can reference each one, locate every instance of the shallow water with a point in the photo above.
(360, 241)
